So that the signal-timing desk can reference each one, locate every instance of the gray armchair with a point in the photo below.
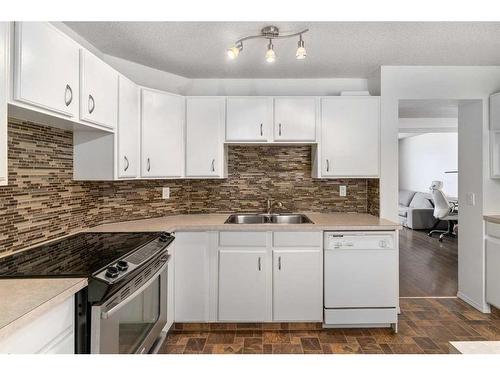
(416, 210)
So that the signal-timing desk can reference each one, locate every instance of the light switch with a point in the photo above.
(343, 191)
(470, 199)
(165, 194)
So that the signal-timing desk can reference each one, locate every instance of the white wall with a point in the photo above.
(459, 83)
(424, 158)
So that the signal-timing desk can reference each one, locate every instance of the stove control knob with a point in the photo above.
(164, 237)
(112, 272)
(122, 265)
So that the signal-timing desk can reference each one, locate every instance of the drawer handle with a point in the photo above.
(327, 165)
(91, 104)
(212, 168)
(259, 264)
(279, 263)
(261, 130)
(127, 164)
(279, 129)
(68, 95)
(149, 165)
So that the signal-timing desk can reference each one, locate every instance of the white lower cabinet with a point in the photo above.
(297, 285)
(493, 264)
(242, 285)
(52, 333)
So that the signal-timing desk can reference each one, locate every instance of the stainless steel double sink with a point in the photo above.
(268, 219)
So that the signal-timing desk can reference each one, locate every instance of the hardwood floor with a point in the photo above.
(426, 325)
(427, 267)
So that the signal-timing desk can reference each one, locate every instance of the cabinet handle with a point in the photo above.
(91, 104)
(327, 165)
(127, 163)
(261, 130)
(259, 264)
(213, 165)
(149, 165)
(68, 95)
(279, 263)
(279, 129)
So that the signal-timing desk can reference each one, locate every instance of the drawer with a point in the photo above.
(361, 316)
(493, 229)
(297, 239)
(243, 239)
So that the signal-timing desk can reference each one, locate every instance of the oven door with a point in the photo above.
(133, 324)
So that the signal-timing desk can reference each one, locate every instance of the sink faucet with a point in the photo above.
(271, 205)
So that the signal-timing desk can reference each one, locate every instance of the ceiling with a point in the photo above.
(335, 49)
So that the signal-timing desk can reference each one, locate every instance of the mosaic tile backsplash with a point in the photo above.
(42, 201)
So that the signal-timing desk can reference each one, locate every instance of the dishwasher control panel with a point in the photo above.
(359, 240)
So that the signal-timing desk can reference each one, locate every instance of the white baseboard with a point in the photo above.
(484, 308)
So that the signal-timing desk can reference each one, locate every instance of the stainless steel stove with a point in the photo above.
(123, 309)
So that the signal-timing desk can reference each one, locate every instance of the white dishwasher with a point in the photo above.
(360, 279)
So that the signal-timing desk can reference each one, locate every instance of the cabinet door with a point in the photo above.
(205, 118)
(191, 287)
(4, 73)
(128, 129)
(98, 91)
(242, 286)
(492, 274)
(495, 111)
(350, 141)
(46, 68)
(295, 119)
(162, 124)
(297, 285)
(249, 118)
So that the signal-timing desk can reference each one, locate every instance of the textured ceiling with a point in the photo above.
(335, 49)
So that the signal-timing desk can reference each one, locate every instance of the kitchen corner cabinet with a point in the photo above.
(295, 119)
(51, 333)
(248, 118)
(162, 134)
(46, 68)
(98, 91)
(128, 131)
(4, 74)
(205, 122)
(350, 137)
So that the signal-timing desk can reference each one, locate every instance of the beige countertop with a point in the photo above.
(475, 347)
(492, 218)
(337, 221)
(22, 300)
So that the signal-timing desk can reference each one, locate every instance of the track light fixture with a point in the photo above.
(270, 33)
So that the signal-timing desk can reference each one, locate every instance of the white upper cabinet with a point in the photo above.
(98, 91)
(495, 111)
(4, 73)
(350, 137)
(46, 68)
(249, 119)
(129, 131)
(295, 119)
(205, 119)
(162, 134)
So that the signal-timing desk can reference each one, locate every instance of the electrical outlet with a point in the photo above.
(165, 193)
(470, 199)
(343, 191)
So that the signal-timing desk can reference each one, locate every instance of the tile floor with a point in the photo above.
(425, 326)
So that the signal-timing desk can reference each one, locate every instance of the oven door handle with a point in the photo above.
(114, 309)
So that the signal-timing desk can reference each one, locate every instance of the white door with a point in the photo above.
(191, 287)
(162, 124)
(205, 119)
(129, 130)
(98, 91)
(492, 274)
(242, 285)
(4, 69)
(350, 140)
(297, 285)
(249, 118)
(46, 68)
(295, 119)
